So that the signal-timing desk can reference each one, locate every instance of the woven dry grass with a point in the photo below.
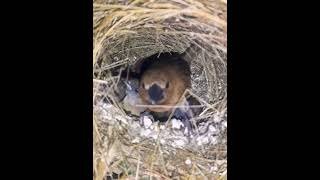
(130, 30)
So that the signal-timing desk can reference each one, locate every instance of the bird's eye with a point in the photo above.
(167, 85)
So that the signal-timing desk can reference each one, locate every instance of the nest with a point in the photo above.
(125, 33)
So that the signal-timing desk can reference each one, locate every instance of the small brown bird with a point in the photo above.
(164, 81)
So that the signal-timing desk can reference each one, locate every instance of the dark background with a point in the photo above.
(47, 89)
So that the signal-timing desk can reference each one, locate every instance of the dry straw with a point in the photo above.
(126, 31)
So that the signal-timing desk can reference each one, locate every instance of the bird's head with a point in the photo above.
(155, 89)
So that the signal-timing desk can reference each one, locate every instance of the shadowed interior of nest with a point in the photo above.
(135, 71)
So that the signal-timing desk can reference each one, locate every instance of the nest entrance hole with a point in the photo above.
(136, 70)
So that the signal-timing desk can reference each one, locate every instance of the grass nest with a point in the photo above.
(126, 32)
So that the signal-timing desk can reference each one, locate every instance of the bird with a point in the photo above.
(163, 81)
(132, 98)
